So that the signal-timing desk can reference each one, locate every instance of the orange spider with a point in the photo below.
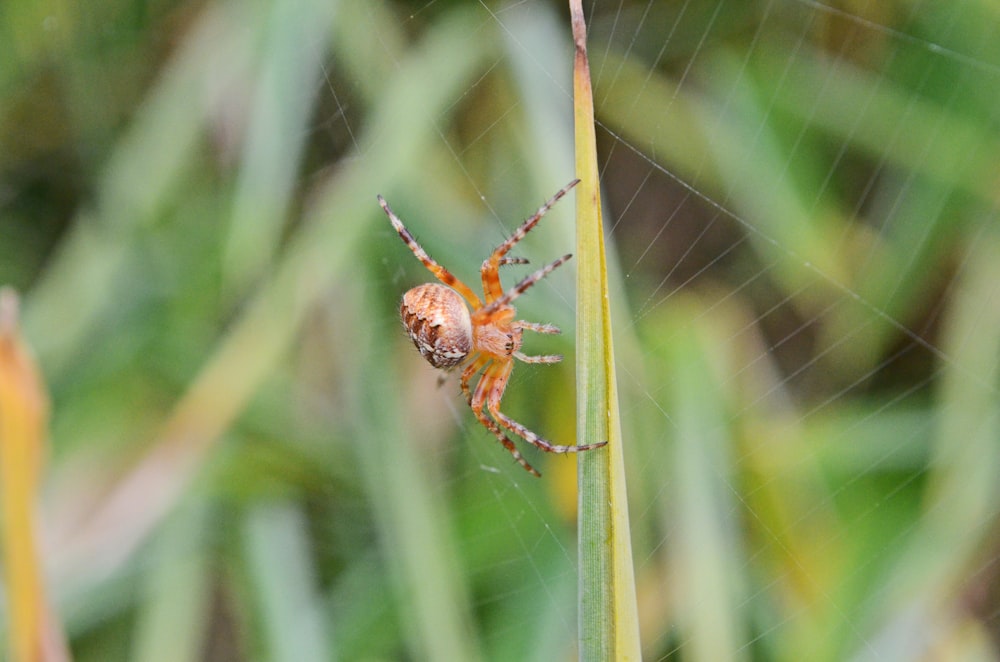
(489, 338)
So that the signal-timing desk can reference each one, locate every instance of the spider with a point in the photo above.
(487, 339)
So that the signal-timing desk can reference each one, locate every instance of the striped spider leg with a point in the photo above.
(451, 326)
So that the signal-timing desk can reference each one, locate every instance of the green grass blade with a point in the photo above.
(175, 596)
(290, 619)
(609, 626)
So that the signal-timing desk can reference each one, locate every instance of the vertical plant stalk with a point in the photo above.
(609, 625)
(33, 635)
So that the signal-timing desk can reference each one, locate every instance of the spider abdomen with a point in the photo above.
(438, 322)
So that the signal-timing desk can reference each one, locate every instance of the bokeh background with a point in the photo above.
(248, 460)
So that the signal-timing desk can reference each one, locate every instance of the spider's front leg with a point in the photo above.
(490, 271)
(508, 260)
(441, 273)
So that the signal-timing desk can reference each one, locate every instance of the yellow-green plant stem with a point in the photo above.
(608, 628)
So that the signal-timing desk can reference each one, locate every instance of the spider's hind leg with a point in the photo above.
(494, 377)
(496, 390)
(474, 366)
(507, 443)
(533, 438)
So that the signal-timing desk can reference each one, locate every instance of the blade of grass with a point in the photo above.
(174, 608)
(34, 635)
(294, 45)
(290, 620)
(700, 503)
(963, 495)
(609, 625)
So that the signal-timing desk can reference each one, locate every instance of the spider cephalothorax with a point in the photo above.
(486, 339)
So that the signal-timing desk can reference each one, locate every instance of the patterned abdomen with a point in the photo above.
(438, 322)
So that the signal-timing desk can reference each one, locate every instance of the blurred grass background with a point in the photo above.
(249, 461)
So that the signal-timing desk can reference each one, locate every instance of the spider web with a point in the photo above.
(799, 202)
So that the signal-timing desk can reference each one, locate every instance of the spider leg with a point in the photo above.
(541, 358)
(490, 269)
(512, 260)
(528, 224)
(493, 405)
(491, 274)
(538, 328)
(439, 271)
(519, 289)
(475, 366)
(484, 390)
